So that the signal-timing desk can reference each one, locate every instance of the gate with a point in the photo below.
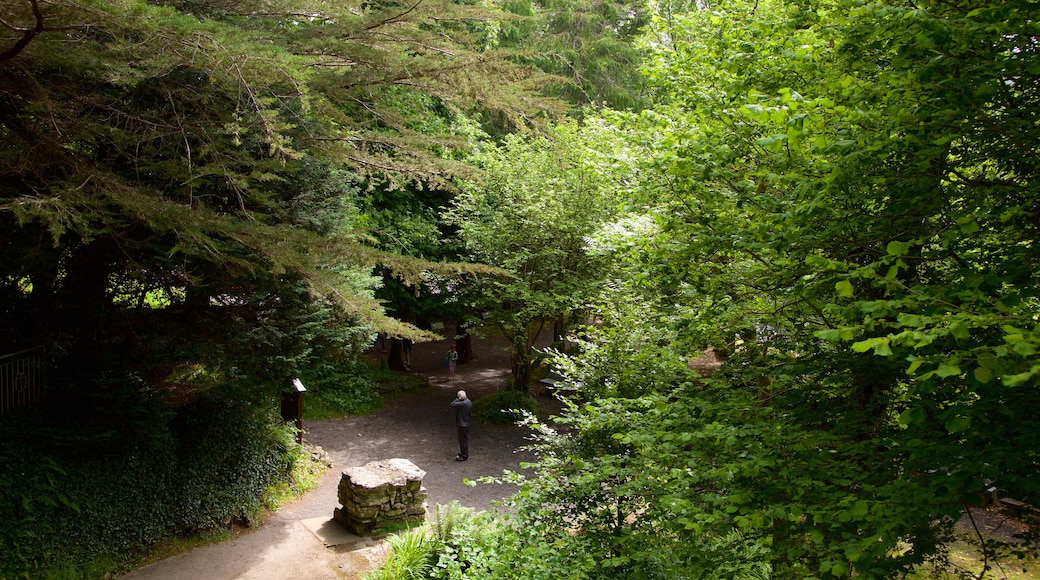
(22, 379)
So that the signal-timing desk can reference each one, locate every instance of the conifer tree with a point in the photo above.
(215, 152)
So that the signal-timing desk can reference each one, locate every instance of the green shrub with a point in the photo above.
(504, 407)
(469, 543)
(356, 387)
(229, 453)
(90, 491)
(27, 498)
(409, 557)
(347, 391)
(447, 520)
(451, 542)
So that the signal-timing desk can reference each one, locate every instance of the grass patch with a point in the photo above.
(410, 557)
(391, 384)
(308, 469)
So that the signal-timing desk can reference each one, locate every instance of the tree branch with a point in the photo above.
(28, 33)
(394, 18)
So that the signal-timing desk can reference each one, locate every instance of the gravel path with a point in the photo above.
(302, 543)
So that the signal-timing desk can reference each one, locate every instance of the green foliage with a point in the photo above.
(589, 47)
(350, 392)
(358, 387)
(119, 477)
(409, 557)
(306, 468)
(466, 540)
(840, 195)
(707, 481)
(27, 496)
(232, 458)
(505, 407)
(619, 358)
(456, 543)
(447, 521)
(531, 214)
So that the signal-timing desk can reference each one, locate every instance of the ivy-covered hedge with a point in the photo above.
(77, 488)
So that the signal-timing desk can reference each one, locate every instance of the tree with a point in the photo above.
(229, 157)
(842, 193)
(589, 47)
(530, 215)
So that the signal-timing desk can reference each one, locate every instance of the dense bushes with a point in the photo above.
(335, 391)
(172, 428)
(505, 407)
(79, 488)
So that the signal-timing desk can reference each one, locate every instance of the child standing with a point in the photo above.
(451, 358)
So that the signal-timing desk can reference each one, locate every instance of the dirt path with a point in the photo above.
(301, 542)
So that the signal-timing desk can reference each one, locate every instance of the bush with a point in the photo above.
(505, 407)
(228, 454)
(452, 545)
(340, 390)
(82, 488)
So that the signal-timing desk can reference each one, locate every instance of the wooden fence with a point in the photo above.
(22, 379)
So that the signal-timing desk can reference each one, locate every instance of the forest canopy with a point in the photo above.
(840, 200)
(222, 149)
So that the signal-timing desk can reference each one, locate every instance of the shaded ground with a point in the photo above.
(300, 541)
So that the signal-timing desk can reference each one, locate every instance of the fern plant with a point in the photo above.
(409, 557)
(446, 520)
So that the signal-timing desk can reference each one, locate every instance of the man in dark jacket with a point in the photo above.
(463, 413)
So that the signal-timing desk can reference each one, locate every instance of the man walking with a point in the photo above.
(463, 412)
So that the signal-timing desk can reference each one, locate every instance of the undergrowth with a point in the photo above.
(360, 390)
(505, 407)
(92, 495)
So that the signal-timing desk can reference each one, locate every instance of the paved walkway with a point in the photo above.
(301, 542)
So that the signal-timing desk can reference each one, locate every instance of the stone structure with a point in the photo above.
(381, 493)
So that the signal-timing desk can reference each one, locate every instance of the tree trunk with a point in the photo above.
(463, 344)
(521, 366)
(196, 300)
(84, 299)
(394, 359)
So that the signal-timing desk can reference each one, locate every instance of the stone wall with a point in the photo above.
(381, 493)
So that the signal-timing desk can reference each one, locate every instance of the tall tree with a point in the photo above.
(215, 148)
(845, 195)
(531, 215)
